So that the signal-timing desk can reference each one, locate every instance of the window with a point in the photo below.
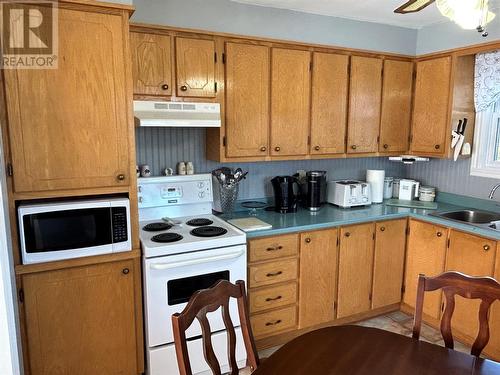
(486, 154)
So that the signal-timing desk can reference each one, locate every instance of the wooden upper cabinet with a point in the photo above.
(364, 104)
(195, 59)
(69, 127)
(355, 269)
(330, 81)
(389, 260)
(247, 100)
(396, 106)
(474, 256)
(151, 64)
(81, 320)
(426, 254)
(431, 106)
(318, 277)
(290, 97)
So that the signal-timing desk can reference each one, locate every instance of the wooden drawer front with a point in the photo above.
(274, 321)
(275, 296)
(273, 247)
(272, 273)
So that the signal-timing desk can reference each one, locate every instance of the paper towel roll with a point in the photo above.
(375, 177)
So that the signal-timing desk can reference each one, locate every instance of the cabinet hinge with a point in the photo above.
(414, 75)
(21, 295)
(407, 231)
(10, 169)
(338, 241)
(448, 243)
(215, 57)
(215, 86)
(223, 58)
(370, 296)
(403, 289)
(224, 142)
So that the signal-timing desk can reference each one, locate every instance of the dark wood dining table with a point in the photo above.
(359, 350)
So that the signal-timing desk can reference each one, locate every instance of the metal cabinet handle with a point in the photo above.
(386, 146)
(164, 86)
(125, 271)
(308, 240)
(382, 229)
(354, 147)
(317, 148)
(486, 247)
(269, 299)
(184, 88)
(263, 148)
(347, 234)
(277, 149)
(437, 147)
(273, 323)
(273, 274)
(120, 177)
(439, 234)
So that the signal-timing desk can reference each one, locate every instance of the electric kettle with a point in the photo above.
(286, 194)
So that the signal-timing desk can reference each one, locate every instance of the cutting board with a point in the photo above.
(250, 224)
(412, 204)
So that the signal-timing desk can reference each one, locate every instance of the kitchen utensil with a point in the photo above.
(461, 138)
(455, 134)
(286, 194)
(171, 221)
(375, 177)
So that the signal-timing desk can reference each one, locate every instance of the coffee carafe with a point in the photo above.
(316, 190)
(286, 194)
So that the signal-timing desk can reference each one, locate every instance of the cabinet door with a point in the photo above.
(81, 320)
(431, 106)
(151, 64)
(290, 92)
(318, 275)
(493, 347)
(355, 269)
(364, 104)
(396, 106)
(330, 80)
(388, 267)
(474, 256)
(425, 255)
(247, 100)
(195, 67)
(69, 127)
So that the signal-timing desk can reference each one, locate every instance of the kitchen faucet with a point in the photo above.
(492, 193)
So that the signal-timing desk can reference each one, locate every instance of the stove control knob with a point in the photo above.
(201, 185)
(201, 194)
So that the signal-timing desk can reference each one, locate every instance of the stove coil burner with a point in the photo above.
(199, 222)
(166, 237)
(208, 231)
(156, 227)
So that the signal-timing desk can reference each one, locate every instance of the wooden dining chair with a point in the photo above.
(486, 289)
(209, 300)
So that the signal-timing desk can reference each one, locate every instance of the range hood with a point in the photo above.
(177, 114)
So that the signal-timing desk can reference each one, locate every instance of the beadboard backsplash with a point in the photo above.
(162, 148)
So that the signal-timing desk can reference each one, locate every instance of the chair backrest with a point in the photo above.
(209, 300)
(486, 289)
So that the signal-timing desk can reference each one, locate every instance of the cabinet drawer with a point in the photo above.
(267, 324)
(272, 272)
(271, 297)
(273, 247)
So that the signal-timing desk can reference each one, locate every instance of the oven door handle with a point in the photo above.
(166, 266)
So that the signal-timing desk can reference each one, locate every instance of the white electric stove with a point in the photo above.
(185, 249)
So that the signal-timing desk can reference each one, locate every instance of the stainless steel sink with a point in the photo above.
(478, 218)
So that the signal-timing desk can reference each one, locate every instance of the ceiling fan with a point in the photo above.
(468, 14)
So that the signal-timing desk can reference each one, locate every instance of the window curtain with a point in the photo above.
(487, 80)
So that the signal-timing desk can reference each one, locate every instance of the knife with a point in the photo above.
(456, 134)
(461, 138)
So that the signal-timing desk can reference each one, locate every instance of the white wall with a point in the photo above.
(9, 349)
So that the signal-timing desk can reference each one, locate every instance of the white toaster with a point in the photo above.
(349, 193)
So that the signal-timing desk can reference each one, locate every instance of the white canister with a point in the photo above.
(388, 181)
(427, 194)
(189, 167)
(181, 168)
(375, 177)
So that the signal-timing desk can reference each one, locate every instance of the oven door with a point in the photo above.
(170, 282)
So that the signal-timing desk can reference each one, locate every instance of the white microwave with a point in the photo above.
(73, 229)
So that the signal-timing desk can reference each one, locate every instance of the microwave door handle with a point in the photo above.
(166, 266)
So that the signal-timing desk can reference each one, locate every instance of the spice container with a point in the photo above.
(427, 194)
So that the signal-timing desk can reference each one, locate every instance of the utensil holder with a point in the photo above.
(225, 197)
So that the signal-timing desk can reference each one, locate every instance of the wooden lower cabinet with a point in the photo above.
(389, 261)
(272, 322)
(474, 256)
(493, 347)
(82, 320)
(355, 269)
(426, 253)
(318, 277)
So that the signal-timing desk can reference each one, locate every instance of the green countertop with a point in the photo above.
(332, 216)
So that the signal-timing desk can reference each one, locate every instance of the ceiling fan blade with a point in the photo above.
(413, 6)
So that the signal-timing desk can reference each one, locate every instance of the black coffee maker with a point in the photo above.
(315, 191)
(286, 194)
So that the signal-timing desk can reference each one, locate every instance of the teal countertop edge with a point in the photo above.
(331, 216)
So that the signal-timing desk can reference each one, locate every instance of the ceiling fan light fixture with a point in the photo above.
(468, 14)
